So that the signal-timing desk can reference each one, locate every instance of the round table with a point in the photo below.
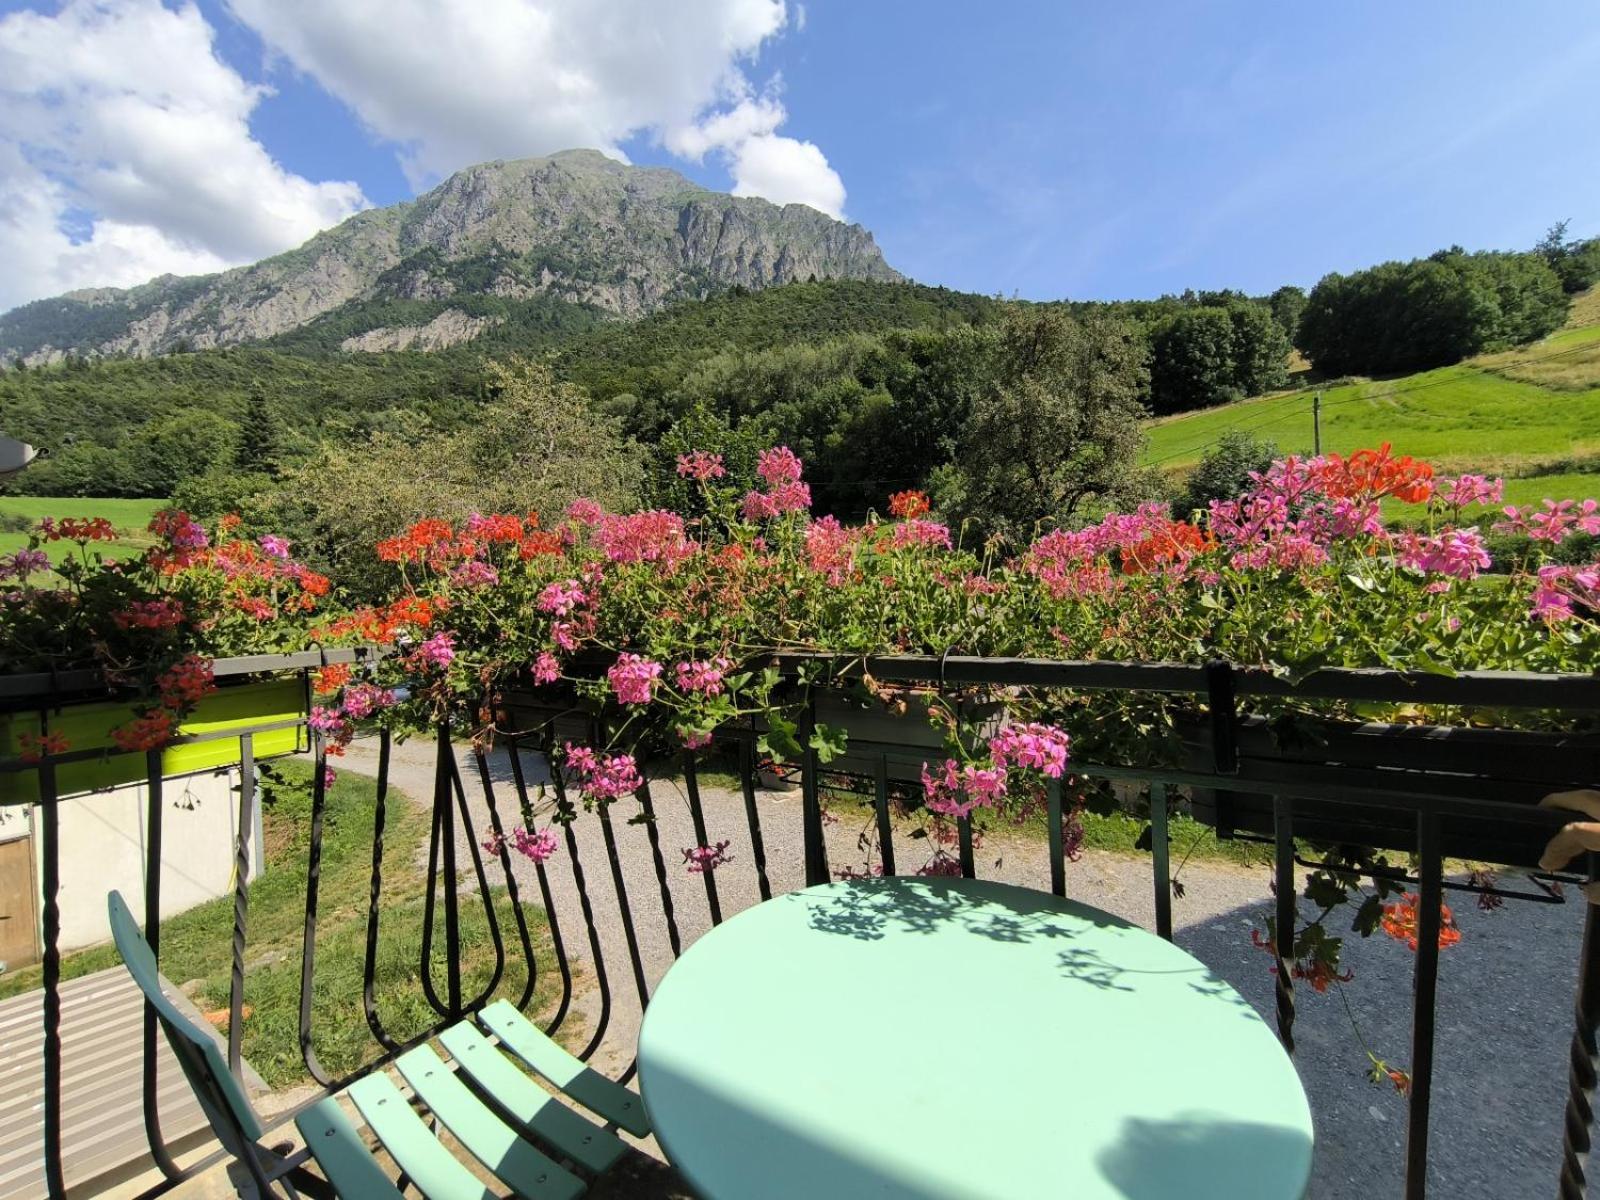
(949, 1037)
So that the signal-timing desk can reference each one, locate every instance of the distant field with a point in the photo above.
(129, 516)
(1532, 415)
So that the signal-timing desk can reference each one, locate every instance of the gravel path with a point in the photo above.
(1505, 993)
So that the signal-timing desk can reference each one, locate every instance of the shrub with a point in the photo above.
(1224, 472)
(1204, 356)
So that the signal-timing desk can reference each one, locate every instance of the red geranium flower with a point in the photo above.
(908, 504)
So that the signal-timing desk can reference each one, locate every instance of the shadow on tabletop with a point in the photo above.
(1205, 1158)
(871, 909)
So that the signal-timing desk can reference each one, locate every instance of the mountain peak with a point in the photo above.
(575, 225)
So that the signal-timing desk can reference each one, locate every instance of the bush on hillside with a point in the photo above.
(1057, 429)
(535, 447)
(1575, 262)
(1204, 356)
(1287, 303)
(1224, 472)
(1399, 317)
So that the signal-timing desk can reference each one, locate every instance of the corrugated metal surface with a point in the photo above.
(102, 1027)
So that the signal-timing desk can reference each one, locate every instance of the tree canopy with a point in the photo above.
(1431, 312)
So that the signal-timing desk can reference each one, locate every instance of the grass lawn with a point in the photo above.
(197, 945)
(129, 516)
(1532, 415)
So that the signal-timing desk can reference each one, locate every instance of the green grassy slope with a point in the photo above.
(129, 516)
(1532, 415)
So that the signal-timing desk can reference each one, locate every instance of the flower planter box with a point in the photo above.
(906, 738)
(1507, 766)
(552, 714)
(88, 726)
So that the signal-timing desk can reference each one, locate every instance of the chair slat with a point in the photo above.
(432, 1168)
(588, 1145)
(588, 1087)
(340, 1152)
(528, 1172)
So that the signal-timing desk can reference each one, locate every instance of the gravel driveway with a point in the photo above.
(1505, 993)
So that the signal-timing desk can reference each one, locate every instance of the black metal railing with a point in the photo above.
(613, 905)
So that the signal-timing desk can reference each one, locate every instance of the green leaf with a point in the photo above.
(1432, 666)
(780, 740)
(1367, 916)
(1324, 891)
(828, 741)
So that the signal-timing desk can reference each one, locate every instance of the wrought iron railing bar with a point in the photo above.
(1286, 917)
(241, 903)
(625, 910)
(652, 833)
(150, 1075)
(1583, 1057)
(525, 805)
(1161, 859)
(1058, 849)
(691, 783)
(1430, 867)
(369, 963)
(586, 906)
(431, 886)
(747, 784)
(484, 895)
(880, 800)
(445, 801)
(50, 924)
(969, 868)
(512, 891)
(558, 948)
(308, 945)
(816, 847)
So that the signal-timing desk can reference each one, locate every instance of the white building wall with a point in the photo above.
(104, 842)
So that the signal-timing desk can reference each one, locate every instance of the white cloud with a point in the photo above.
(126, 151)
(453, 84)
(788, 171)
(723, 130)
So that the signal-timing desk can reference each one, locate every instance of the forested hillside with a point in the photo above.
(1007, 413)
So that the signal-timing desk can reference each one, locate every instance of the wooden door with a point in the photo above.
(19, 897)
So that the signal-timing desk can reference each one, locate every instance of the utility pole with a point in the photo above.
(1316, 424)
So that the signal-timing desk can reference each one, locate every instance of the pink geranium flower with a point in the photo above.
(633, 678)
(701, 466)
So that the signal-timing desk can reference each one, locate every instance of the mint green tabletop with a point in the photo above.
(948, 1037)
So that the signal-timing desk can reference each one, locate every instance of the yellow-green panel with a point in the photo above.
(89, 726)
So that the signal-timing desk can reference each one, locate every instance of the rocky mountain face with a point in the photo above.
(447, 329)
(576, 225)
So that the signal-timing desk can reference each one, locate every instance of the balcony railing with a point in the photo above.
(613, 904)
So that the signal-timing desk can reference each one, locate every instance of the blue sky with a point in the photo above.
(1042, 149)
